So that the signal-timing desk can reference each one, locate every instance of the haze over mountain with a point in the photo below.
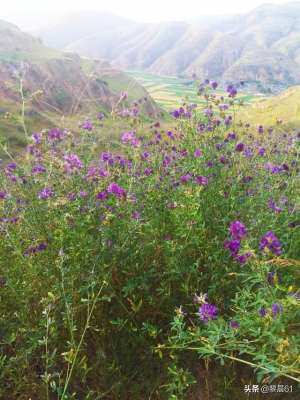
(261, 45)
(56, 84)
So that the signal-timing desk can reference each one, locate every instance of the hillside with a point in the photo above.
(285, 107)
(56, 84)
(262, 45)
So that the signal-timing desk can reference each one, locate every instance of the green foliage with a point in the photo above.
(92, 274)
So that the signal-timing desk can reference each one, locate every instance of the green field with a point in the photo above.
(170, 92)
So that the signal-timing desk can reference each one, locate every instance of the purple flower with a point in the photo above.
(247, 179)
(185, 178)
(136, 215)
(201, 180)
(273, 206)
(197, 153)
(36, 137)
(262, 151)
(271, 277)
(207, 312)
(35, 249)
(231, 136)
(87, 125)
(83, 194)
(223, 160)
(262, 312)
(214, 85)
(115, 189)
(148, 171)
(102, 195)
(38, 169)
(260, 129)
(231, 90)
(233, 246)
(72, 196)
(72, 163)
(276, 309)
(243, 258)
(240, 147)
(55, 135)
(128, 137)
(46, 193)
(3, 195)
(270, 241)
(234, 324)
(238, 230)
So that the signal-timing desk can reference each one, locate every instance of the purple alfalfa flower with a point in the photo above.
(35, 249)
(72, 163)
(171, 135)
(201, 180)
(240, 147)
(214, 84)
(38, 169)
(197, 153)
(148, 171)
(262, 312)
(208, 312)
(260, 129)
(276, 309)
(87, 125)
(270, 241)
(231, 90)
(274, 169)
(237, 230)
(102, 195)
(243, 258)
(55, 135)
(72, 196)
(127, 137)
(136, 215)
(36, 137)
(145, 155)
(3, 195)
(233, 246)
(247, 179)
(11, 167)
(223, 107)
(46, 193)
(271, 275)
(83, 194)
(272, 205)
(185, 178)
(234, 324)
(210, 164)
(231, 136)
(223, 160)
(208, 112)
(219, 146)
(248, 152)
(262, 151)
(116, 190)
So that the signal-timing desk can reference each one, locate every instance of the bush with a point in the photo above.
(98, 250)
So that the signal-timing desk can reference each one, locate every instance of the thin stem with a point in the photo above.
(81, 341)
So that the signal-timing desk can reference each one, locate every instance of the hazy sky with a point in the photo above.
(26, 12)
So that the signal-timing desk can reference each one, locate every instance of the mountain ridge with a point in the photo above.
(262, 44)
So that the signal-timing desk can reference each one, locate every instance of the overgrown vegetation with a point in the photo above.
(125, 268)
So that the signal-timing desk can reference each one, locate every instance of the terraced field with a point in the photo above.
(170, 92)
